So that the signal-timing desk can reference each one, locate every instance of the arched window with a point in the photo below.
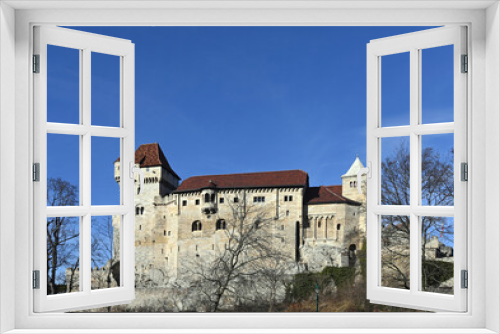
(137, 210)
(196, 226)
(212, 198)
(142, 210)
(338, 227)
(220, 225)
(207, 198)
(350, 184)
(319, 223)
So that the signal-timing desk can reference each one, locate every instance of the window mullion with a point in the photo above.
(414, 169)
(85, 167)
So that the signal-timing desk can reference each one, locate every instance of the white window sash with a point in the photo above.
(86, 43)
(413, 43)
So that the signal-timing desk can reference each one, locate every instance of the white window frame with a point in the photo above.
(414, 43)
(483, 20)
(85, 43)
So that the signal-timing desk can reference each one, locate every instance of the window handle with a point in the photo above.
(139, 171)
(368, 171)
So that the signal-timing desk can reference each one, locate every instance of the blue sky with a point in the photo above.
(241, 99)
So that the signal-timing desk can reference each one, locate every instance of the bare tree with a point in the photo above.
(62, 233)
(104, 252)
(249, 253)
(437, 189)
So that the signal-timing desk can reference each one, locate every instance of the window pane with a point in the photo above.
(437, 254)
(63, 85)
(437, 170)
(105, 89)
(63, 255)
(105, 152)
(395, 92)
(437, 84)
(395, 247)
(63, 170)
(105, 252)
(395, 170)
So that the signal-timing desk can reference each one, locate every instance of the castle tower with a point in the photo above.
(150, 221)
(350, 190)
(159, 177)
(350, 182)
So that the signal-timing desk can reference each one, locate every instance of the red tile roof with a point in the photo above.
(151, 155)
(286, 178)
(327, 194)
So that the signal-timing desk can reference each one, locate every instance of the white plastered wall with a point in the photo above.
(7, 167)
(492, 163)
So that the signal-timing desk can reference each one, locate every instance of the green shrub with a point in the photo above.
(436, 272)
(340, 275)
(302, 285)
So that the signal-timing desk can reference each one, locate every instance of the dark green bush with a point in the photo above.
(341, 276)
(436, 272)
(302, 285)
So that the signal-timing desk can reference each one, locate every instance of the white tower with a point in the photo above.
(350, 182)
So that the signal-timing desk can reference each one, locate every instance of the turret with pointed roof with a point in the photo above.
(160, 178)
(350, 182)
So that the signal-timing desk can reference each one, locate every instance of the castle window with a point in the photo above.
(196, 226)
(236, 200)
(287, 213)
(142, 210)
(197, 202)
(354, 182)
(338, 227)
(140, 227)
(282, 227)
(319, 223)
(288, 198)
(207, 198)
(212, 198)
(164, 233)
(137, 210)
(259, 199)
(221, 200)
(169, 233)
(184, 203)
(220, 225)
(138, 190)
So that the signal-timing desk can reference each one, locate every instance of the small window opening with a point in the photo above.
(196, 226)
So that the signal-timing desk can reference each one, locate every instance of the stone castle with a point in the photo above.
(316, 226)
(177, 222)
